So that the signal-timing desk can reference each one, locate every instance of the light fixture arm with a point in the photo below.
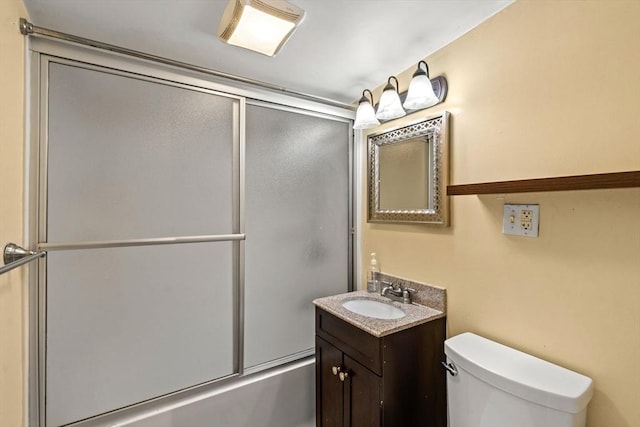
(390, 86)
(420, 71)
(364, 96)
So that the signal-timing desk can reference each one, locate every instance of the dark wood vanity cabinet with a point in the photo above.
(392, 381)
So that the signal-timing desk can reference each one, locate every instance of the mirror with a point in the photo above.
(408, 173)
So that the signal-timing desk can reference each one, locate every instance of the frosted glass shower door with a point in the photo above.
(297, 225)
(127, 159)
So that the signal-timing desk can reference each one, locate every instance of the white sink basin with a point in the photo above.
(372, 308)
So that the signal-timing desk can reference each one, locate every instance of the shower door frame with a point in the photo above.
(41, 52)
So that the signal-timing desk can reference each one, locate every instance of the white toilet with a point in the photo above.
(491, 385)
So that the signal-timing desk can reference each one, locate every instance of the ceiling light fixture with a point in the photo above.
(390, 106)
(365, 114)
(422, 93)
(262, 26)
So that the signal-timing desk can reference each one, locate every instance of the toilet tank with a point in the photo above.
(498, 386)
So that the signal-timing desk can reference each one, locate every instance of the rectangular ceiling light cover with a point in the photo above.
(263, 26)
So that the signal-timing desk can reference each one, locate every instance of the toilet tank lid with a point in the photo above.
(520, 374)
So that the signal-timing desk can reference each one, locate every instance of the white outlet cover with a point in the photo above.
(515, 223)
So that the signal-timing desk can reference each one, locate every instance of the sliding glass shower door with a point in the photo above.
(297, 224)
(128, 161)
(187, 232)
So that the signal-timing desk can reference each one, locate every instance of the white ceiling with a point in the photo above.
(341, 48)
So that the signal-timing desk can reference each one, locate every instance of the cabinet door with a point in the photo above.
(362, 396)
(329, 388)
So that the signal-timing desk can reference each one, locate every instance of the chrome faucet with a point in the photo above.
(396, 292)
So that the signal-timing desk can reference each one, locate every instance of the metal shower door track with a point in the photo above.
(28, 29)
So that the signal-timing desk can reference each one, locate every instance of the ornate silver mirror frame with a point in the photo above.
(426, 142)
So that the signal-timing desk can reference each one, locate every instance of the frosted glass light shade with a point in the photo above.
(259, 25)
(365, 116)
(420, 93)
(389, 106)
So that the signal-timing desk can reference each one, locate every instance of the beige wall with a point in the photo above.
(544, 88)
(11, 203)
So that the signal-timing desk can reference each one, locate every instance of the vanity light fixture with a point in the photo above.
(263, 26)
(365, 114)
(423, 93)
(390, 106)
(420, 93)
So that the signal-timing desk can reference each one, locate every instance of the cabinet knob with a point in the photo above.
(343, 375)
(335, 370)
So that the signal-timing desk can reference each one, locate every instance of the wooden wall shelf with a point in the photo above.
(561, 183)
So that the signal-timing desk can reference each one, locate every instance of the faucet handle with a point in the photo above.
(406, 295)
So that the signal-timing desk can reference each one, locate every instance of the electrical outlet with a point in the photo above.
(521, 220)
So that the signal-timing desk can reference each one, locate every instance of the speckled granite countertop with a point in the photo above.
(416, 314)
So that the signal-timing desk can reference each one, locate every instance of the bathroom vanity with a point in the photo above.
(374, 372)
